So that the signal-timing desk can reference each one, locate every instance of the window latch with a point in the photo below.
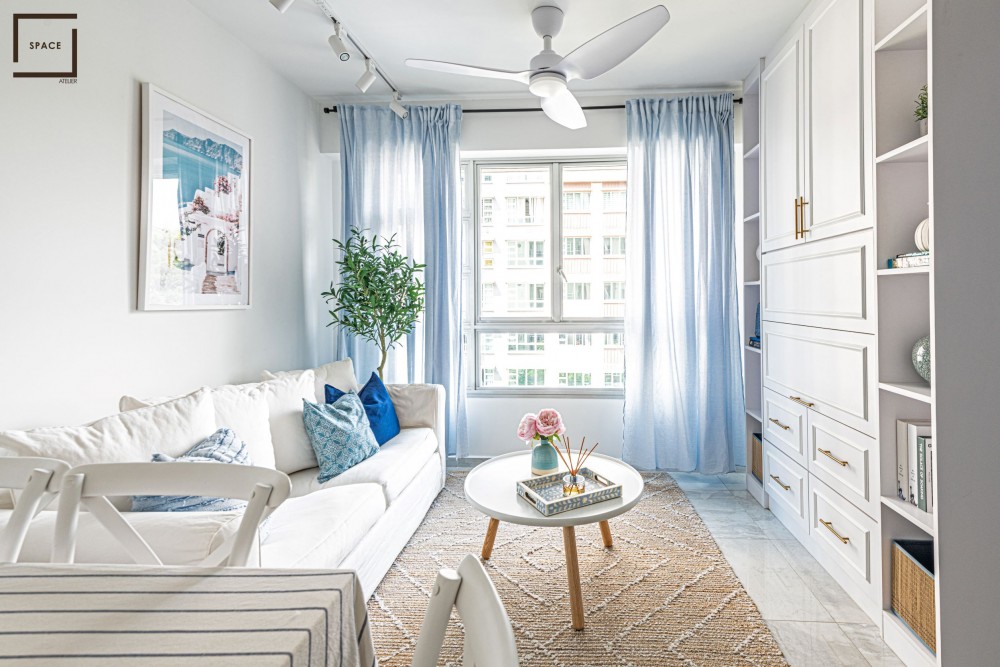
(562, 274)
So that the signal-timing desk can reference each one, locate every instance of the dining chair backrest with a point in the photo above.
(489, 638)
(38, 480)
(91, 486)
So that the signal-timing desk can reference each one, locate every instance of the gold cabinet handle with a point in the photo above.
(780, 483)
(802, 216)
(826, 453)
(797, 209)
(784, 426)
(829, 526)
(798, 399)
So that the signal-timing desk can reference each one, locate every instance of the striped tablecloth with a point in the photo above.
(57, 615)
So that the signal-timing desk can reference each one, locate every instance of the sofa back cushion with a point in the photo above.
(172, 428)
(243, 408)
(284, 394)
(339, 374)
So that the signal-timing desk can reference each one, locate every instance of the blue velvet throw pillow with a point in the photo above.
(221, 447)
(339, 433)
(378, 406)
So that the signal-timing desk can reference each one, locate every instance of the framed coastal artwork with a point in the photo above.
(195, 235)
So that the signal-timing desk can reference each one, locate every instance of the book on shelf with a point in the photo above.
(910, 260)
(754, 341)
(907, 432)
(922, 479)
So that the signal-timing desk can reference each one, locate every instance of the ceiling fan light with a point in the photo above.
(547, 84)
(368, 78)
(282, 5)
(337, 43)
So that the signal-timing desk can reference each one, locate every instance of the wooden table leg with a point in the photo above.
(573, 574)
(491, 535)
(606, 535)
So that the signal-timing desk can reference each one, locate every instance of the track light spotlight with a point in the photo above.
(337, 42)
(396, 107)
(282, 5)
(368, 78)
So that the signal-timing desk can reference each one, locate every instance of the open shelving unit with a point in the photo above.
(901, 61)
(752, 357)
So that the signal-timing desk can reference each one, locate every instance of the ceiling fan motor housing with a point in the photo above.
(547, 20)
(546, 84)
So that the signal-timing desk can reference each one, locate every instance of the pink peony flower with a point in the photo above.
(526, 430)
(549, 423)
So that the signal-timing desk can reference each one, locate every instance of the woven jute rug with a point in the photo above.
(664, 595)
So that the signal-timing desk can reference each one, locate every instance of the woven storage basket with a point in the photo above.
(913, 587)
(757, 457)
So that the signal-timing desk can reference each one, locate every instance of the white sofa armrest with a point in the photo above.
(420, 405)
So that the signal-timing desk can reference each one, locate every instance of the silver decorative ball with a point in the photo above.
(921, 357)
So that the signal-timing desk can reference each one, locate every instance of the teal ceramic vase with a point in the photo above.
(544, 460)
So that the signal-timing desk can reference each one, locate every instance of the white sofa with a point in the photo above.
(359, 520)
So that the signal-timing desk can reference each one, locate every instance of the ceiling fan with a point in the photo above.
(550, 73)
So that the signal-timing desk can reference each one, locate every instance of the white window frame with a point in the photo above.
(556, 322)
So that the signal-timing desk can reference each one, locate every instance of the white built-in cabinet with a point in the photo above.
(816, 130)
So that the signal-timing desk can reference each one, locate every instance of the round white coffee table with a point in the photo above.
(491, 488)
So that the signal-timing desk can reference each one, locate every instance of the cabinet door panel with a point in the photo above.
(833, 371)
(825, 284)
(832, 520)
(781, 146)
(838, 130)
(846, 460)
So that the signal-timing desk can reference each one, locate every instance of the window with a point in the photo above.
(614, 291)
(616, 379)
(574, 379)
(525, 296)
(541, 319)
(522, 342)
(577, 291)
(575, 202)
(526, 377)
(614, 246)
(613, 339)
(576, 246)
(575, 339)
(525, 253)
(614, 200)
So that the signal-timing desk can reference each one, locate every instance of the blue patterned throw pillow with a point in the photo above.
(340, 434)
(221, 447)
(378, 406)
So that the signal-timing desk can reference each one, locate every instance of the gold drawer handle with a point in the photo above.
(826, 452)
(780, 483)
(798, 399)
(829, 526)
(772, 419)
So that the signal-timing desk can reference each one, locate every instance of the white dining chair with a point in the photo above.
(91, 485)
(37, 480)
(489, 638)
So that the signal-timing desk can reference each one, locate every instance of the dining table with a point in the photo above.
(60, 615)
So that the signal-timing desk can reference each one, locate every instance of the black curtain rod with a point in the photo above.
(333, 109)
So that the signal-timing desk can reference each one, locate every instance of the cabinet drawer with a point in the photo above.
(827, 283)
(845, 460)
(785, 426)
(842, 533)
(832, 372)
(786, 483)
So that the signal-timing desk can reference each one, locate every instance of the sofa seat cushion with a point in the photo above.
(322, 528)
(177, 538)
(393, 468)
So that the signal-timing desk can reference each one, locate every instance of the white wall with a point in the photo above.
(71, 339)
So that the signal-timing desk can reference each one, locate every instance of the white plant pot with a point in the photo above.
(922, 127)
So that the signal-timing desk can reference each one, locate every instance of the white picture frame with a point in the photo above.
(195, 209)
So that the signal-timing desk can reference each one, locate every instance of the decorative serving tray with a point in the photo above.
(545, 493)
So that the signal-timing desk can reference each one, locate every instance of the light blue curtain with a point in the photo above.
(683, 369)
(401, 176)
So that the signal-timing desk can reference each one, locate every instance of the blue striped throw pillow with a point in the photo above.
(221, 447)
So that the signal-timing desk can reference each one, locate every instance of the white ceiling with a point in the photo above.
(707, 43)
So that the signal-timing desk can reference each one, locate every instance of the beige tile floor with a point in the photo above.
(813, 619)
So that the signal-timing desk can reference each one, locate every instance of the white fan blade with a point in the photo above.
(564, 109)
(612, 47)
(468, 70)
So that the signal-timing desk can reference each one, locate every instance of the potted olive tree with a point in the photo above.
(380, 296)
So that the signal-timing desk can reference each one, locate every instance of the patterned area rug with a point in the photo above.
(663, 596)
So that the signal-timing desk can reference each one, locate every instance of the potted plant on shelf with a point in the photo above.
(380, 297)
(920, 112)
